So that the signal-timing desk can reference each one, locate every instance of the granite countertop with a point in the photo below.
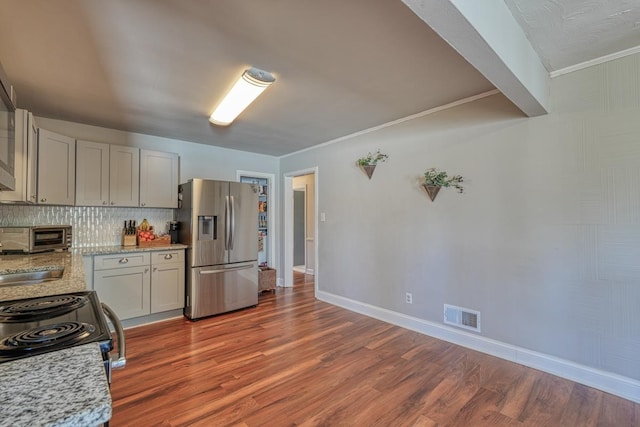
(108, 250)
(63, 388)
(73, 279)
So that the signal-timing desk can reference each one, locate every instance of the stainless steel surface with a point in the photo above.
(33, 239)
(120, 360)
(245, 222)
(31, 277)
(215, 290)
(219, 223)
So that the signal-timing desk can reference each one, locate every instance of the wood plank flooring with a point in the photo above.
(296, 361)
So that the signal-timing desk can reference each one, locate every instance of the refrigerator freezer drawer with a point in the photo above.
(219, 289)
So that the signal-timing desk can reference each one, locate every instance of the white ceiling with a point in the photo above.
(570, 32)
(160, 66)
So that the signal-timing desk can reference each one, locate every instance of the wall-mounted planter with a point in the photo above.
(368, 163)
(432, 191)
(368, 169)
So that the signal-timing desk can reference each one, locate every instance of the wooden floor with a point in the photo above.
(295, 361)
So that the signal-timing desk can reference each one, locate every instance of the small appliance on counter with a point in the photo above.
(34, 239)
(174, 226)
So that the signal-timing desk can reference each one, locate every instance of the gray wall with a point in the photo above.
(545, 241)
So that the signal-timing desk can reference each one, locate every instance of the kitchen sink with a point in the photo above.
(31, 277)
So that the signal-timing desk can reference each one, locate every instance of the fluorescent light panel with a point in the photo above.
(248, 87)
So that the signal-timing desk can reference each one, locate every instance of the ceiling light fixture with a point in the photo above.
(248, 87)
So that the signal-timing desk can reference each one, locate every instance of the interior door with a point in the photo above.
(244, 238)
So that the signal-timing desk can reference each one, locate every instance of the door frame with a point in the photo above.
(271, 223)
(288, 225)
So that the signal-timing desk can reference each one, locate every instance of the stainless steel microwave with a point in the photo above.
(7, 133)
(33, 239)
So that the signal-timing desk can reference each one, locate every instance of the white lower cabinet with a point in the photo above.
(140, 283)
(125, 290)
(167, 280)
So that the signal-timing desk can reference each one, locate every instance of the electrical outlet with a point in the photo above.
(409, 298)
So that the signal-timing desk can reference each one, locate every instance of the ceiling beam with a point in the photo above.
(489, 38)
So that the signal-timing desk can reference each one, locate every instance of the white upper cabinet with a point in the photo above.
(26, 160)
(92, 173)
(158, 179)
(124, 175)
(106, 175)
(56, 168)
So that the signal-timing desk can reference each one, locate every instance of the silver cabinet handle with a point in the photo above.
(104, 202)
(226, 270)
(155, 268)
(124, 260)
(143, 204)
(113, 203)
(168, 256)
(121, 360)
(146, 270)
(43, 200)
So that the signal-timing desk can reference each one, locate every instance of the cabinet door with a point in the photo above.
(167, 287)
(21, 160)
(158, 179)
(125, 290)
(56, 168)
(32, 161)
(167, 280)
(124, 177)
(92, 173)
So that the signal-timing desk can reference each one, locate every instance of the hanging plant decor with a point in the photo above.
(368, 163)
(434, 180)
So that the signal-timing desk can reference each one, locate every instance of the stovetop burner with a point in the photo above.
(33, 326)
(39, 308)
(57, 334)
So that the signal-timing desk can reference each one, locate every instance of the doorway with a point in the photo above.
(301, 228)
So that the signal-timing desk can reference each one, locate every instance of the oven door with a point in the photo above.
(119, 361)
(46, 238)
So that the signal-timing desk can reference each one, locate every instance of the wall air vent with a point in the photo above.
(462, 317)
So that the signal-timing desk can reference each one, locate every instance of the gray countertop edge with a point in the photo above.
(117, 249)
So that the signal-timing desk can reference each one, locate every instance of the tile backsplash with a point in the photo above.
(92, 226)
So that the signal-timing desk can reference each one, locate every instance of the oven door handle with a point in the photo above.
(121, 360)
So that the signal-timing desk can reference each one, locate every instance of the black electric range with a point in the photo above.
(33, 326)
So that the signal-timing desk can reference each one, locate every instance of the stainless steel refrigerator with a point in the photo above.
(218, 221)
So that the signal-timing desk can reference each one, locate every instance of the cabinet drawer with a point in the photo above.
(133, 259)
(168, 257)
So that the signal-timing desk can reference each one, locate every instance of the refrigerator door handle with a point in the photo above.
(233, 222)
(226, 270)
(227, 223)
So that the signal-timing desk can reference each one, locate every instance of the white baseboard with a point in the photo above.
(299, 268)
(309, 271)
(618, 385)
(280, 282)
